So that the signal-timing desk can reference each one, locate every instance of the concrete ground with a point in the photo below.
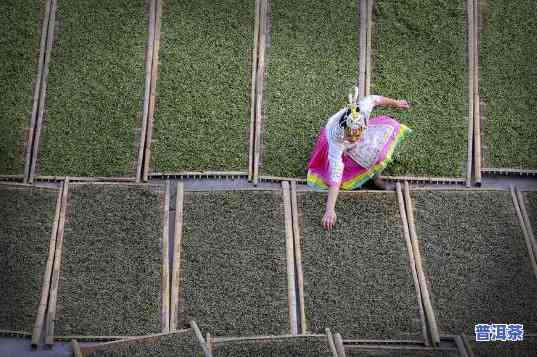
(20, 347)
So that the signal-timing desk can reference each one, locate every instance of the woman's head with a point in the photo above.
(353, 121)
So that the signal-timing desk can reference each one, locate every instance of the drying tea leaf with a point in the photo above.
(95, 89)
(110, 280)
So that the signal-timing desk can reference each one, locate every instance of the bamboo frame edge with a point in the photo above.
(152, 95)
(147, 90)
(47, 276)
(165, 278)
(37, 91)
(298, 258)
(43, 92)
(412, 260)
(290, 261)
(51, 314)
(176, 263)
(429, 311)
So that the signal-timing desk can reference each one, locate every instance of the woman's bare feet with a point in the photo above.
(379, 183)
(376, 183)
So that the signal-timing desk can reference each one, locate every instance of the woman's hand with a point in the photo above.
(403, 104)
(329, 219)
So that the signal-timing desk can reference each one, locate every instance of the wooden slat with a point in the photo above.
(467, 345)
(9, 333)
(461, 348)
(51, 315)
(42, 95)
(220, 340)
(331, 343)
(298, 258)
(362, 48)
(429, 313)
(74, 179)
(40, 318)
(12, 178)
(15, 184)
(37, 91)
(415, 343)
(529, 228)
(425, 179)
(339, 345)
(507, 171)
(518, 204)
(148, 71)
(245, 187)
(176, 264)
(477, 116)
(120, 340)
(209, 342)
(386, 348)
(259, 91)
(201, 341)
(199, 173)
(471, 63)
(412, 259)
(290, 258)
(280, 178)
(458, 188)
(121, 184)
(90, 338)
(153, 91)
(368, 54)
(165, 283)
(76, 349)
(253, 85)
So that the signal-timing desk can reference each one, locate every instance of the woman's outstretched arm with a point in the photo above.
(393, 103)
(329, 218)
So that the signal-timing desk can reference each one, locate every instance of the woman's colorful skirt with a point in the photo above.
(372, 153)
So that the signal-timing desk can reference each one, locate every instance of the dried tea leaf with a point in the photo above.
(203, 109)
(95, 89)
(312, 63)
(26, 219)
(419, 54)
(230, 243)
(110, 281)
(508, 43)
(20, 25)
(475, 260)
(360, 281)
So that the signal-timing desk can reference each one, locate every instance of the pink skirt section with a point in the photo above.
(355, 175)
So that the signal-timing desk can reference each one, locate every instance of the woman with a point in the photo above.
(352, 149)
